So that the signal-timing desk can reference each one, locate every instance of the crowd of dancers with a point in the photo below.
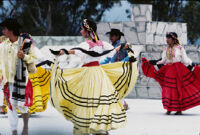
(91, 96)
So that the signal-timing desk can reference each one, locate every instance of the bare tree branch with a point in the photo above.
(34, 20)
(39, 12)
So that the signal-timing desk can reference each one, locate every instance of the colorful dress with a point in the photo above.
(90, 96)
(180, 86)
(122, 55)
(40, 83)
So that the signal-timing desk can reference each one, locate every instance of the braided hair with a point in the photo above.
(91, 27)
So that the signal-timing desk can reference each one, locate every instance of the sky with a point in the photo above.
(117, 13)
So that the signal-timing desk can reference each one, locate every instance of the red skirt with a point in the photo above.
(180, 86)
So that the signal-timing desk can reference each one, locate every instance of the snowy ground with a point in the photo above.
(145, 117)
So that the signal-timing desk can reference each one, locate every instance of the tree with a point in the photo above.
(191, 14)
(57, 17)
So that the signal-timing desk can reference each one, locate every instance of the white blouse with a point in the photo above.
(87, 58)
(179, 56)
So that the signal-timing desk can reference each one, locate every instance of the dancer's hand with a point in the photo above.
(144, 59)
(118, 48)
(126, 45)
(20, 54)
(61, 52)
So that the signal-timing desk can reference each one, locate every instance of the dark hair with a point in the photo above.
(173, 36)
(91, 24)
(115, 32)
(91, 27)
(12, 25)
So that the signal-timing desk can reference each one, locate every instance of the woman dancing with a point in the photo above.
(180, 86)
(90, 96)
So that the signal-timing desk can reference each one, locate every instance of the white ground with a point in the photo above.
(145, 117)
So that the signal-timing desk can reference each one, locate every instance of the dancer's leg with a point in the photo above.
(13, 120)
(25, 116)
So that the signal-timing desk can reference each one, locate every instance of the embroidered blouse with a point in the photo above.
(179, 55)
(91, 46)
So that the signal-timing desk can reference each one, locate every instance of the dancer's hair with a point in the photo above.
(91, 27)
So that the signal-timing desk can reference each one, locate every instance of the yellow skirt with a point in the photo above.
(40, 81)
(90, 96)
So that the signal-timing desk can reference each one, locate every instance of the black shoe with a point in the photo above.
(178, 113)
(125, 106)
(168, 112)
(3, 113)
(2, 108)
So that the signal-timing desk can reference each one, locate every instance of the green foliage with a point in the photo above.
(58, 17)
(191, 15)
(163, 10)
(64, 17)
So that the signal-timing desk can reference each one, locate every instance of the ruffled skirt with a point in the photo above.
(180, 86)
(90, 96)
(40, 82)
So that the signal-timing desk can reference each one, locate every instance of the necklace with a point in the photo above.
(170, 53)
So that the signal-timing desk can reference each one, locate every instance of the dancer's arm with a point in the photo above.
(108, 58)
(84, 48)
(82, 45)
(185, 59)
(48, 62)
(69, 52)
(127, 47)
(31, 56)
(108, 46)
(163, 60)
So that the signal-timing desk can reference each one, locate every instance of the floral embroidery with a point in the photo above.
(92, 44)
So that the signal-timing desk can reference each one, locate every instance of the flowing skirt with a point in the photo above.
(90, 97)
(40, 82)
(180, 86)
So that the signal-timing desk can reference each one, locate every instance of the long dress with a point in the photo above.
(90, 96)
(180, 86)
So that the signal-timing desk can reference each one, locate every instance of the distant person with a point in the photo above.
(180, 86)
(121, 55)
